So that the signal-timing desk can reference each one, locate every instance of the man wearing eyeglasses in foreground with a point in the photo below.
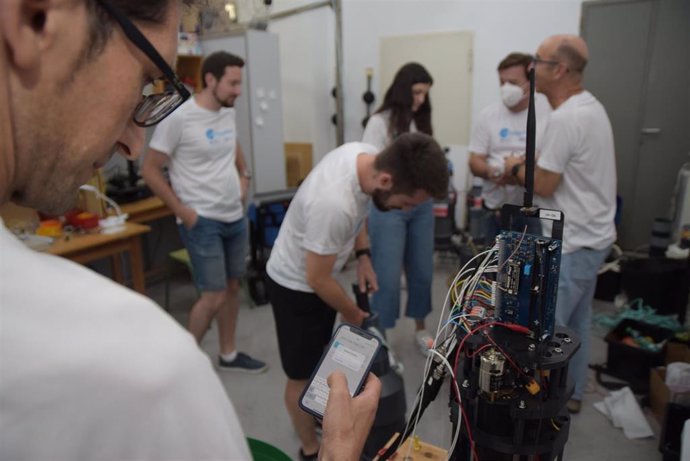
(88, 368)
(208, 184)
(575, 173)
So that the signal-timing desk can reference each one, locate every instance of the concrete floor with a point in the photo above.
(258, 399)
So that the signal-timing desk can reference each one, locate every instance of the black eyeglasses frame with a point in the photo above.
(140, 41)
(537, 60)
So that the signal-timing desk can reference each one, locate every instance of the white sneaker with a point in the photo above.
(395, 364)
(424, 341)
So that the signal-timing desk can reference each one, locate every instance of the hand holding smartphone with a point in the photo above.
(351, 351)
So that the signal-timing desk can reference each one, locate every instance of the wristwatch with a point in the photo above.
(247, 174)
(362, 252)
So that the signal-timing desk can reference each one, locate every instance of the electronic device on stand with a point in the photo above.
(507, 362)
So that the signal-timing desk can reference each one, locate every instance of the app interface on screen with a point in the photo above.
(350, 353)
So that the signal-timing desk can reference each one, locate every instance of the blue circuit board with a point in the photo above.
(527, 281)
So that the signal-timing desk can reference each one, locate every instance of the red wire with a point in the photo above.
(472, 354)
(510, 326)
(467, 425)
(491, 340)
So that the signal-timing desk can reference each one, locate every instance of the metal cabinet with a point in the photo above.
(639, 68)
(259, 109)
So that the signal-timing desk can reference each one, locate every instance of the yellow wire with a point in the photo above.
(554, 426)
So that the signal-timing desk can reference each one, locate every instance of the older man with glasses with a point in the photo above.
(575, 173)
(89, 369)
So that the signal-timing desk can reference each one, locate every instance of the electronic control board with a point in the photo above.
(526, 288)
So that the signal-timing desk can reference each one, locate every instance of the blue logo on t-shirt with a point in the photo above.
(219, 136)
(506, 133)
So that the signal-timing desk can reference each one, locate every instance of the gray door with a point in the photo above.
(640, 70)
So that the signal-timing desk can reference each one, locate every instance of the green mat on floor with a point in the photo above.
(262, 451)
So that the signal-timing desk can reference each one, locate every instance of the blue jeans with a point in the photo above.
(576, 284)
(217, 250)
(402, 240)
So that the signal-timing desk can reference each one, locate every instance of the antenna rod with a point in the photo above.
(529, 148)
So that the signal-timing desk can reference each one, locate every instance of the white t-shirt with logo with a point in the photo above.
(578, 144)
(202, 144)
(500, 133)
(324, 217)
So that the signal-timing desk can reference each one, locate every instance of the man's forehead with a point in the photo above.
(512, 71)
(163, 36)
(233, 70)
(547, 48)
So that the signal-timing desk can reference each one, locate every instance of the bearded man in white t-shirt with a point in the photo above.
(575, 173)
(208, 183)
(501, 132)
(318, 234)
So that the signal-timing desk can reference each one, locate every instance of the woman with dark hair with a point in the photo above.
(403, 239)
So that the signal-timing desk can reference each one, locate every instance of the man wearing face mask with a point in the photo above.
(501, 132)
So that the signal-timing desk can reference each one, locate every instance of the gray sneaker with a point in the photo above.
(243, 363)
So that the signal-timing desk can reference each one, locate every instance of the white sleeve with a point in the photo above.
(376, 132)
(557, 147)
(181, 403)
(167, 134)
(480, 142)
(543, 113)
(203, 412)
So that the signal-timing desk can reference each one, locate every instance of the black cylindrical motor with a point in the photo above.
(390, 415)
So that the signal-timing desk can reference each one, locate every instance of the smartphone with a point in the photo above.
(351, 351)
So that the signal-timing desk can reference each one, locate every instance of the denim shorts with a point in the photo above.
(217, 250)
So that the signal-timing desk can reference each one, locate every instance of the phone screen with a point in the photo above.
(351, 351)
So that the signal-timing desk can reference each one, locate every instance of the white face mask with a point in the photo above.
(511, 94)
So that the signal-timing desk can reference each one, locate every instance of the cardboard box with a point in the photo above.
(677, 352)
(660, 394)
(298, 162)
(89, 201)
(419, 451)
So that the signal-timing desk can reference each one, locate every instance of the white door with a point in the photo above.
(448, 58)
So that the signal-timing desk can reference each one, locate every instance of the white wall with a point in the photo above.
(308, 63)
(307, 48)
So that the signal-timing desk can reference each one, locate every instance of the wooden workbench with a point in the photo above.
(148, 209)
(91, 247)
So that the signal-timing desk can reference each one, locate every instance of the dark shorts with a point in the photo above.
(304, 324)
